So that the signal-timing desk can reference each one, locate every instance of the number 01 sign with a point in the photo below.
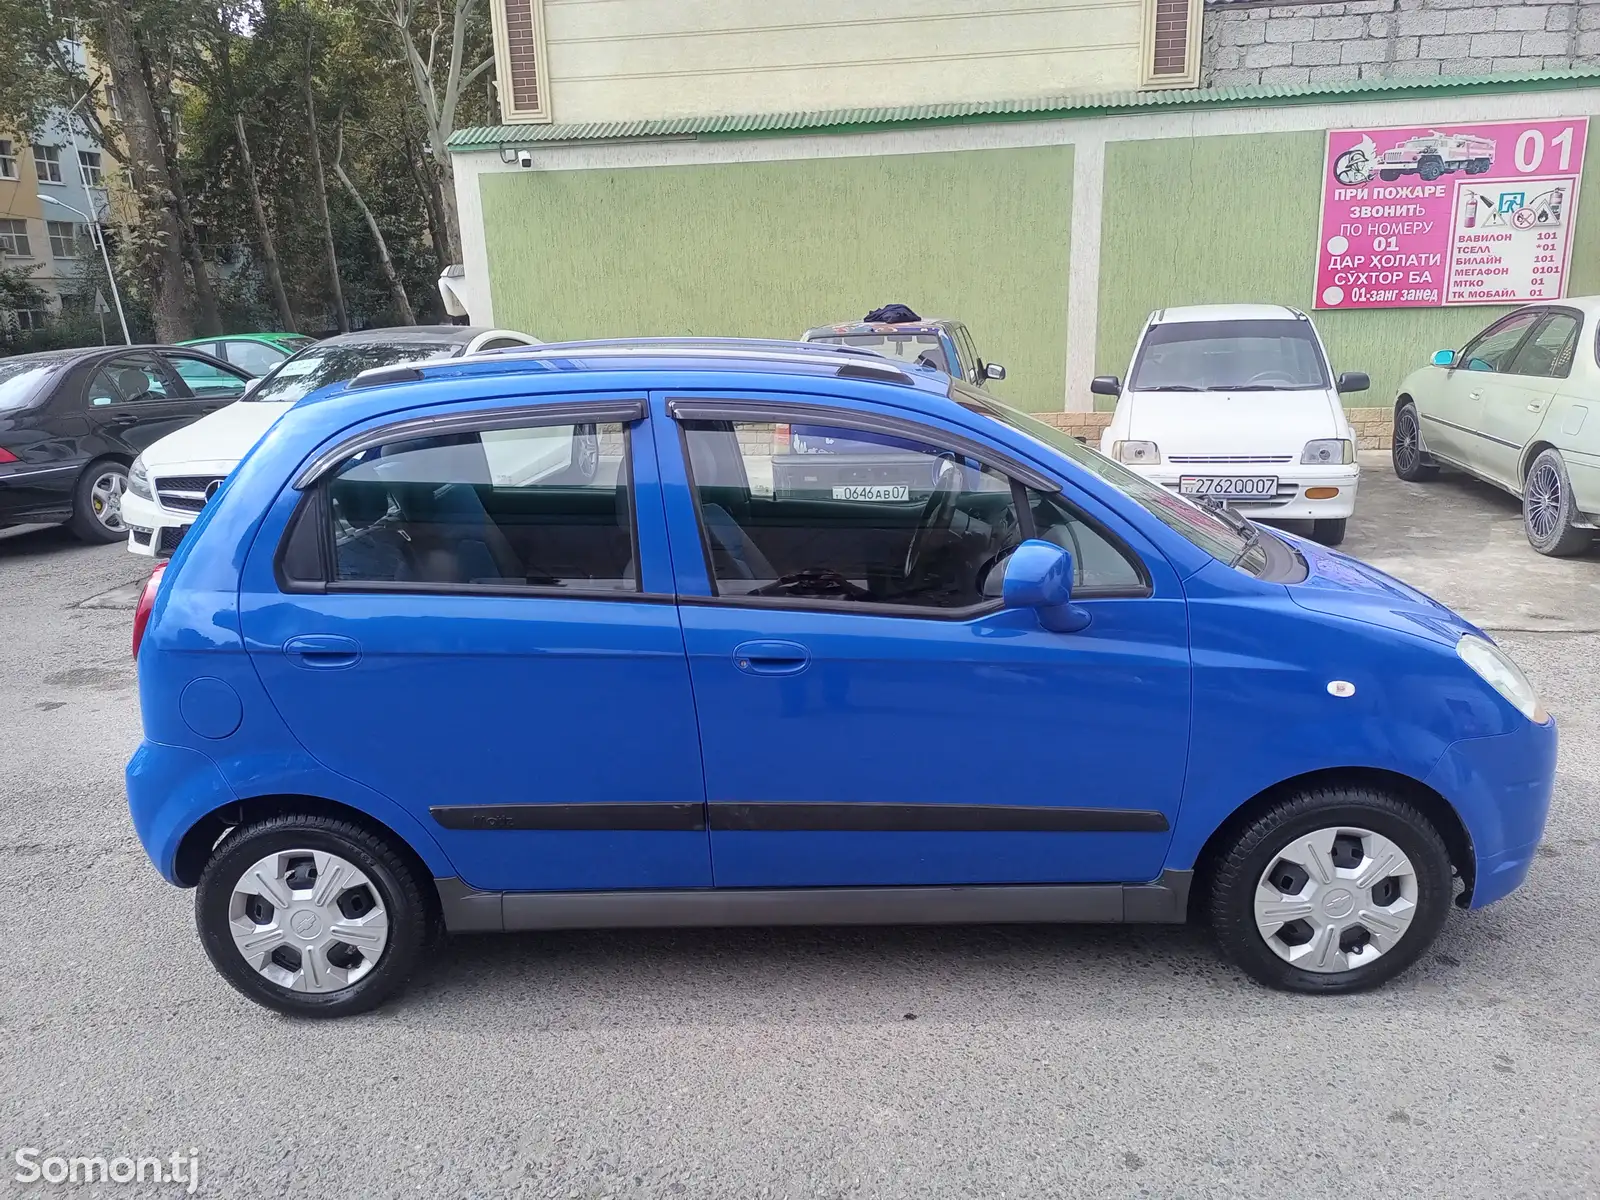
(1416, 216)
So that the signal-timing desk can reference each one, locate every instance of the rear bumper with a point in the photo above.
(152, 529)
(169, 789)
(1501, 788)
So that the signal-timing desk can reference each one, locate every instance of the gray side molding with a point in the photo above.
(467, 910)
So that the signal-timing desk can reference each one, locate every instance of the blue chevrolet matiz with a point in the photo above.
(423, 663)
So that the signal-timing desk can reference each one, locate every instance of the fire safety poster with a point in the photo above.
(1418, 216)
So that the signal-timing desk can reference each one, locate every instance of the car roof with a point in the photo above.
(269, 337)
(1225, 312)
(926, 325)
(81, 353)
(399, 334)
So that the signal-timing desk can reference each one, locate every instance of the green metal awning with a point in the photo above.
(864, 120)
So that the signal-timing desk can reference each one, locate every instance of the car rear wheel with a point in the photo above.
(97, 503)
(1411, 462)
(1549, 516)
(1330, 530)
(1334, 890)
(311, 916)
(1430, 167)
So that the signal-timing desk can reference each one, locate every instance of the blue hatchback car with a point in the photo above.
(415, 667)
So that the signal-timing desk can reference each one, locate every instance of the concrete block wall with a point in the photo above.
(1295, 42)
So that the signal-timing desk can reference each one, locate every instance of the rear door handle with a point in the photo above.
(322, 651)
(771, 658)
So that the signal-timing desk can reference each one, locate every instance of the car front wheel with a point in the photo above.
(1549, 516)
(1330, 530)
(1334, 890)
(1411, 462)
(97, 503)
(311, 916)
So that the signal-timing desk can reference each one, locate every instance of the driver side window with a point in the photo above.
(835, 514)
(1492, 350)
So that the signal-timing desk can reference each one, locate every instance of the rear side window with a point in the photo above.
(1229, 356)
(538, 507)
(1548, 352)
(255, 357)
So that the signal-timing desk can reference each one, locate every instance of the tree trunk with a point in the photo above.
(396, 289)
(207, 320)
(158, 224)
(428, 184)
(321, 181)
(446, 174)
(269, 252)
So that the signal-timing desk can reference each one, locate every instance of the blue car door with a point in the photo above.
(869, 714)
(486, 635)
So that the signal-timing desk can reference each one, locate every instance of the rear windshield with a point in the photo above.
(323, 364)
(919, 349)
(1229, 356)
(20, 381)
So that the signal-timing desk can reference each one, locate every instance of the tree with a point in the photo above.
(396, 289)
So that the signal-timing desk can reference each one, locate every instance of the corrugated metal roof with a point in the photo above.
(848, 120)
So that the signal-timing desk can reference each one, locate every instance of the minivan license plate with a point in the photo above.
(872, 491)
(1229, 487)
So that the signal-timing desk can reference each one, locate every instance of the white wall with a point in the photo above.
(620, 60)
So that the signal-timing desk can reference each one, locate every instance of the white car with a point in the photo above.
(1235, 403)
(170, 482)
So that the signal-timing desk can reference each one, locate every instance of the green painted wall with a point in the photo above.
(768, 249)
(1231, 219)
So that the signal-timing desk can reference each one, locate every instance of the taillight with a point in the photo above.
(147, 601)
(6, 456)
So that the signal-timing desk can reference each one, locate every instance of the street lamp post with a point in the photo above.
(99, 238)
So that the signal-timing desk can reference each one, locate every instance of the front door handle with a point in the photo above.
(322, 651)
(1536, 406)
(1474, 395)
(771, 658)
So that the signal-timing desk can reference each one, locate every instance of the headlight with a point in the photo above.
(1496, 669)
(1326, 451)
(1143, 454)
(139, 480)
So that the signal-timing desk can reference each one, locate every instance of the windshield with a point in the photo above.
(20, 381)
(323, 364)
(1229, 356)
(1190, 521)
(920, 349)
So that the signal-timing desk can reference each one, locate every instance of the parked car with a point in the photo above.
(256, 353)
(172, 479)
(878, 467)
(71, 422)
(1512, 408)
(1235, 403)
(1045, 691)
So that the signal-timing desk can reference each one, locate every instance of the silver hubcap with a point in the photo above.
(1407, 448)
(1542, 500)
(1336, 899)
(105, 498)
(308, 920)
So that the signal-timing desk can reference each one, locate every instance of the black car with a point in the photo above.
(72, 421)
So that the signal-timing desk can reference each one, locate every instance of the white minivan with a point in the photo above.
(1235, 403)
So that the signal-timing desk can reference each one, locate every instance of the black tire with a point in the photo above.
(1549, 517)
(411, 916)
(88, 521)
(1329, 530)
(1242, 864)
(1430, 167)
(1389, 176)
(1479, 165)
(1411, 462)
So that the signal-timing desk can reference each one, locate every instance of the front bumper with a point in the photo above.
(1500, 786)
(1294, 479)
(152, 529)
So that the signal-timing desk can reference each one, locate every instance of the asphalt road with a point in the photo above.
(979, 1062)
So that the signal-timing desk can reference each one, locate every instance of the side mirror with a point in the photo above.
(1106, 385)
(993, 371)
(249, 386)
(1354, 381)
(1039, 576)
(1444, 358)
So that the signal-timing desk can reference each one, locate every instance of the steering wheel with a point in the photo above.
(814, 583)
(937, 511)
(1273, 377)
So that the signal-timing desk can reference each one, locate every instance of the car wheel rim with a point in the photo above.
(105, 499)
(1407, 450)
(308, 921)
(1336, 900)
(1542, 501)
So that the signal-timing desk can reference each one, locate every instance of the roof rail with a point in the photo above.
(865, 365)
(571, 349)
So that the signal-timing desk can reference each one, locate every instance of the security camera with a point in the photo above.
(524, 158)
